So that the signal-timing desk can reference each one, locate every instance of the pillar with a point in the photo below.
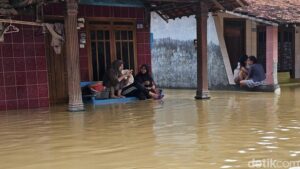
(272, 55)
(297, 53)
(202, 73)
(72, 51)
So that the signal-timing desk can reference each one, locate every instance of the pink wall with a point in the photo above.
(23, 70)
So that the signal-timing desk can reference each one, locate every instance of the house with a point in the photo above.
(252, 29)
(50, 46)
(266, 29)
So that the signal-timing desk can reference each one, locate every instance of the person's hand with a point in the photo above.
(129, 73)
(147, 82)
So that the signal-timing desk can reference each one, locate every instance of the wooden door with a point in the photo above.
(234, 34)
(286, 48)
(57, 74)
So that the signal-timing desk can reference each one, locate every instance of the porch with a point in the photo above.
(104, 35)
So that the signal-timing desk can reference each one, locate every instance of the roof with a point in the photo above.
(280, 11)
(10, 7)
(171, 9)
(167, 9)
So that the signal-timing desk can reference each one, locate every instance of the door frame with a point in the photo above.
(90, 26)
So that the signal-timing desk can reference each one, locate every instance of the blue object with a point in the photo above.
(91, 99)
(82, 84)
(151, 40)
(113, 101)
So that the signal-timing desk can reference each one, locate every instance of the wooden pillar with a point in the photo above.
(272, 55)
(202, 73)
(72, 51)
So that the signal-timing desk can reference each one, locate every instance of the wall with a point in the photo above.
(23, 69)
(174, 57)
(218, 76)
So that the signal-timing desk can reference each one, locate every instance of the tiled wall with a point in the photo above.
(143, 35)
(23, 70)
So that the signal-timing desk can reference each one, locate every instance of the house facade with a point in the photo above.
(231, 34)
(32, 75)
(47, 49)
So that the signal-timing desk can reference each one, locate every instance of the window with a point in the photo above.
(110, 42)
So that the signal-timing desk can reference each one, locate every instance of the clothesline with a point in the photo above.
(21, 22)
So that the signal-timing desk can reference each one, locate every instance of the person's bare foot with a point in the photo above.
(120, 96)
(114, 97)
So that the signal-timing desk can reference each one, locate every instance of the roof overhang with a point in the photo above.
(171, 9)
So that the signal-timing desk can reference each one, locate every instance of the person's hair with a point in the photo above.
(116, 65)
(242, 60)
(146, 67)
(253, 59)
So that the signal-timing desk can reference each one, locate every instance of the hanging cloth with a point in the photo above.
(56, 30)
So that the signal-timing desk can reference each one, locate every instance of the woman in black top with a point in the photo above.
(145, 79)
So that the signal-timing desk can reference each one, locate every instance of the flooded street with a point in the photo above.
(227, 131)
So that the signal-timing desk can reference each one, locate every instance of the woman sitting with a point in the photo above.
(115, 80)
(145, 79)
(241, 72)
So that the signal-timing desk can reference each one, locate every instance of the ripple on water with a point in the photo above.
(264, 143)
(268, 137)
(283, 138)
(251, 149)
(230, 160)
(272, 147)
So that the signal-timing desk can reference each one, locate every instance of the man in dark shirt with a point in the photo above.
(256, 74)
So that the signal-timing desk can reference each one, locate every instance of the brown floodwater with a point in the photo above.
(227, 131)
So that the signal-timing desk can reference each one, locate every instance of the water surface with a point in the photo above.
(227, 131)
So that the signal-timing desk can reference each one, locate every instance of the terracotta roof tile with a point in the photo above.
(282, 11)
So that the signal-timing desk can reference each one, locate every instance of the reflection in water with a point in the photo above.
(226, 131)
